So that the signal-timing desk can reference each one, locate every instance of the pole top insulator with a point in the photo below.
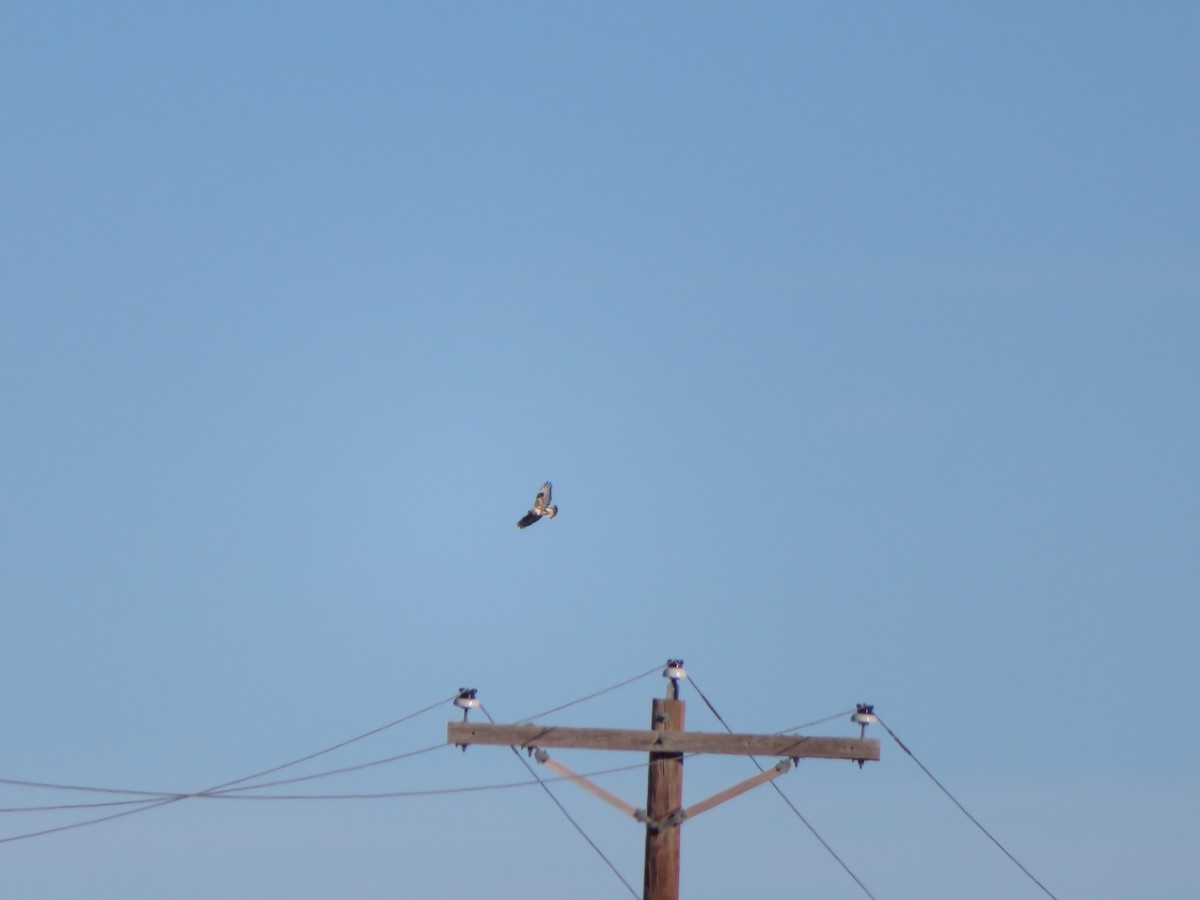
(674, 670)
(466, 698)
(864, 715)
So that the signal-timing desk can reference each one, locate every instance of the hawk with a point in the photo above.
(541, 507)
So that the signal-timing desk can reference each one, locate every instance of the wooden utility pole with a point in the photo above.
(664, 795)
(666, 742)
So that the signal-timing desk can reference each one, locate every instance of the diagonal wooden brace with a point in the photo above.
(695, 809)
(590, 786)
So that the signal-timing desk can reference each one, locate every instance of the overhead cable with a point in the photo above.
(167, 799)
(338, 746)
(963, 810)
(61, 806)
(836, 715)
(79, 787)
(236, 793)
(428, 792)
(784, 796)
(591, 696)
(608, 862)
(222, 792)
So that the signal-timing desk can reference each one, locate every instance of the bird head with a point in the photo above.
(551, 512)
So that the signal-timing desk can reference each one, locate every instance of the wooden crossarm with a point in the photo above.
(549, 736)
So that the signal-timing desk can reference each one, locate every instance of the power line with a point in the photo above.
(591, 696)
(788, 800)
(228, 784)
(213, 793)
(175, 798)
(837, 715)
(963, 809)
(62, 806)
(779, 790)
(230, 791)
(608, 862)
(427, 792)
(152, 804)
(235, 795)
(78, 787)
(221, 792)
(338, 746)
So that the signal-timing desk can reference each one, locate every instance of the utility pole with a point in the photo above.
(666, 742)
(664, 795)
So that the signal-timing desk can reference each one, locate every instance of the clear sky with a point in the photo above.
(860, 341)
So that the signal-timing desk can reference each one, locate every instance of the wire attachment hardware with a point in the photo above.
(675, 671)
(466, 700)
(863, 716)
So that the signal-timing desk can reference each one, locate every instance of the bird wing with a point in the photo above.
(528, 519)
(542, 500)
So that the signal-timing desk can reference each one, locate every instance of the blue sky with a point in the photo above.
(860, 343)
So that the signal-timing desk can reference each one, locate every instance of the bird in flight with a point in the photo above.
(541, 507)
